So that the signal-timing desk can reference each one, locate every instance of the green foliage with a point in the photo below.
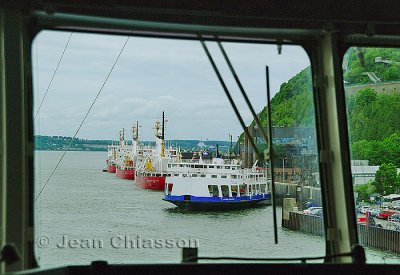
(386, 72)
(386, 179)
(293, 104)
(373, 116)
(365, 191)
(378, 151)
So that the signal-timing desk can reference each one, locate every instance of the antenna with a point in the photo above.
(163, 126)
(137, 130)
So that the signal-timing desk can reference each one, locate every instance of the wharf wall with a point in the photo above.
(376, 237)
(307, 193)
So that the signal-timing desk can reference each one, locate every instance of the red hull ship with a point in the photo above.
(128, 174)
(125, 163)
(111, 168)
(112, 155)
(151, 180)
(151, 173)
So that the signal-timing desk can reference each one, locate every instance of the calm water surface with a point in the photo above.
(98, 213)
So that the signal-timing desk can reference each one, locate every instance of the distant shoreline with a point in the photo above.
(61, 143)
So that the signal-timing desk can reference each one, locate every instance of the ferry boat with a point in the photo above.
(216, 186)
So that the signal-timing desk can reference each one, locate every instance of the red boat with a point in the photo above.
(150, 180)
(111, 167)
(152, 172)
(125, 166)
(127, 173)
(112, 153)
(126, 169)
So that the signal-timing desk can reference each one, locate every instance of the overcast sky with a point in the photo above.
(152, 75)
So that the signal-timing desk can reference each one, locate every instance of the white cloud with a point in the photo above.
(152, 75)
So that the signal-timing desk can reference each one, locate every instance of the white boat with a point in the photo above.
(216, 185)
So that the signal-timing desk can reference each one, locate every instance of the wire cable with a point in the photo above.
(54, 74)
(86, 115)
(246, 98)
(228, 95)
(267, 139)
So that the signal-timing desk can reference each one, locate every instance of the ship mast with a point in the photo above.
(163, 136)
(122, 137)
(135, 136)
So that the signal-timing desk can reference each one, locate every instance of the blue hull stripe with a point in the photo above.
(172, 198)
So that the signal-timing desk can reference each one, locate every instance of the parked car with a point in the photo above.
(374, 212)
(364, 209)
(317, 212)
(385, 214)
(396, 205)
(394, 218)
(308, 211)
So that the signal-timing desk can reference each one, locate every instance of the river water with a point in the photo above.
(84, 214)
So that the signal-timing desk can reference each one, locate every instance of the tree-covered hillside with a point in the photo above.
(374, 123)
(384, 62)
(292, 105)
(372, 115)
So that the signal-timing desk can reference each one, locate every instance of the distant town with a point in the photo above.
(61, 143)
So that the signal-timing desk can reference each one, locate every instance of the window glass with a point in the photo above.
(225, 190)
(372, 92)
(242, 189)
(76, 201)
(234, 189)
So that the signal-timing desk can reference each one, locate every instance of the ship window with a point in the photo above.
(210, 190)
(223, 176)
(243, 190)
(225, 190)
(262, 188)
(213, 190)
(194, 175)
(219, 167)
(170, 186)
(233, 176)
(234, 190)
(373, 107)
(254, 189)
(198, 108)
(203, 175)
